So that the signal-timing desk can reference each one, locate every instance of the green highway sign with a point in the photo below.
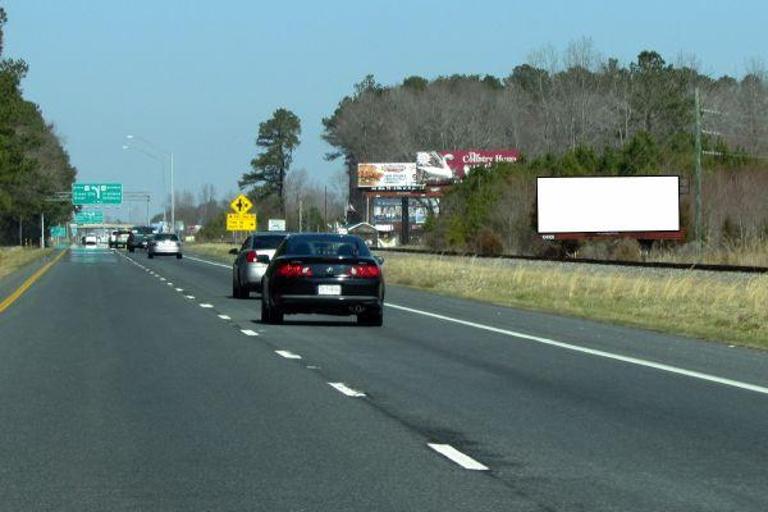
(97, 193)
(58, 231)
(89, 217)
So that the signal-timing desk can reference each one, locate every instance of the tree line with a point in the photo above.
(569, 113)
(33, 162)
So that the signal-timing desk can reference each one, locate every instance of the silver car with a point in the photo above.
(251, 262)
(164, 244)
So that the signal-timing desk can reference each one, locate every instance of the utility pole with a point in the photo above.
(300, 214)
(42, 230)
(325, 207)
(173, 200)
(697, 169)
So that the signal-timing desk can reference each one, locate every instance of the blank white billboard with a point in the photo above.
(608, 204)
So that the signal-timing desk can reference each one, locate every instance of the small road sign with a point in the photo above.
(97, 193)
(58, 231)
(241, 204)
(89, 217)
(276, 225)
(241, 222)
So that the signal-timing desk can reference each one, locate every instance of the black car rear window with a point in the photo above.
(327, 245)
(267, 241)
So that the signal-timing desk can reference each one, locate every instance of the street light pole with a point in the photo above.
(173, 200)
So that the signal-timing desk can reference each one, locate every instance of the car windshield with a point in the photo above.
(267, 241)
(327, 245)
(166, 236)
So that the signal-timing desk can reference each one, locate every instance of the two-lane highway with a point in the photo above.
(131, 383)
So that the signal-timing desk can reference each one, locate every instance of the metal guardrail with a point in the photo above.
(645, 264)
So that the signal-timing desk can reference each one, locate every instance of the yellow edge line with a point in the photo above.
(29, 282)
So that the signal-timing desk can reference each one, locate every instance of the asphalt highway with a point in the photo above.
(136, 384)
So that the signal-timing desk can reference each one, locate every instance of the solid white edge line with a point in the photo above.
(594, 352)
(249, 332)
(209, 262)
(286, 354)
(206, 305)
(456, 456)
(343, 388)
(225, 317)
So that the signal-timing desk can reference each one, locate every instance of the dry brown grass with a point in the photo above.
(217, 251)
(728, 308)
(13, 258)
(749, 253)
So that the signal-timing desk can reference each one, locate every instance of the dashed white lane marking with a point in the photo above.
(190, 297)
(249, 332)
(169, 284)
(161, 278)
(179, 289)
(286, 354)
(343, 388)
(206, 306)
(456, 456)
(225, 317)
(593, 352)
(209, 262)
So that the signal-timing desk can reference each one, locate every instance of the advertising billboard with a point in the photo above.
(610, 204)
(442, 167)
(388, 176)
(388, 210)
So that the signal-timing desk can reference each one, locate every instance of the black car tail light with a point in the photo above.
(293, 270)
(365, 271)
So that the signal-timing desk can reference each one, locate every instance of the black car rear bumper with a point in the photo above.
(328, 304)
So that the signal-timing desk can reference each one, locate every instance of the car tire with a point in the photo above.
(236, 293)
(371, 318)
(179, 256)
(130, 249)
(150, 255)
(266, 317)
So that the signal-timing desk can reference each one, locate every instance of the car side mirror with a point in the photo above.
(233, 251)
(379, 259)
(262, 258)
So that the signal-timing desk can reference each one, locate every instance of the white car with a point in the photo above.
(90, 240)
(164, 244)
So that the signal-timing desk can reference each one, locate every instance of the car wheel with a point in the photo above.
(265, 313)
(372, 318)
(178, 256)
(235, 288)
(130, 249)
(150, 255)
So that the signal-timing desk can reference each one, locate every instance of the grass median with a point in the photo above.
(214, 251)
(729, 308)
(13, 258)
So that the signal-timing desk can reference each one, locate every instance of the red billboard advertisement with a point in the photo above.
(448, 166)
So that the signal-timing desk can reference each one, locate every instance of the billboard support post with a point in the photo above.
(405, 235)
(697, 169)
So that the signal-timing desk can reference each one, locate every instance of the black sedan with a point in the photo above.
(325, 274)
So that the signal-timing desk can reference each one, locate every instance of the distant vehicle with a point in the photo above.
(90, 240)
(325, 274)
(251, 262)
(118, 238)
(138, 238)
(164, 244)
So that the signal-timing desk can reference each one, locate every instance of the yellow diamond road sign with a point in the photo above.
(241, 222)
(241, 204)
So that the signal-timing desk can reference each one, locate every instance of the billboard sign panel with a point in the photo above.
(388, 210)
(609, 204)
(388, 176)
(442, 167)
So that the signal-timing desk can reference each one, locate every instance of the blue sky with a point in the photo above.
(197, 77)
